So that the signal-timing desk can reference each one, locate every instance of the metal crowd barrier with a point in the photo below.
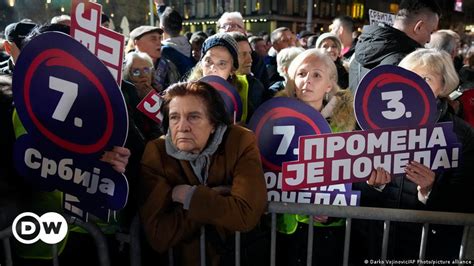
(366, 213)
(274, 208)
(92, 229)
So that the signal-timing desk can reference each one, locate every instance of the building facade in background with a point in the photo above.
(259, 15)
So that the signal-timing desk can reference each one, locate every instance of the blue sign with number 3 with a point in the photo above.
(390, 96)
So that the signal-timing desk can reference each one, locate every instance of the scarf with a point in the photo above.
(199, 162)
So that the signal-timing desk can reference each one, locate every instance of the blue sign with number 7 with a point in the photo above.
(73, 111)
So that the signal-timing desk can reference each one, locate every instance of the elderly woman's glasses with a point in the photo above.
(136, 72)
(220, 64)
(231, 26)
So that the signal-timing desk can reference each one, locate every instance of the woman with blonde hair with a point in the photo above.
(312, 78)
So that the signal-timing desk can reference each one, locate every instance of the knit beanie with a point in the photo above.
(329, 35)
(225, 40)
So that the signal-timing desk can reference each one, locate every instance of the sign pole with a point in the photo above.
(152, 15)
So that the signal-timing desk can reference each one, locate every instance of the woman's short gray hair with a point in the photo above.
(438, 61)
(284, 58)
(127, 63)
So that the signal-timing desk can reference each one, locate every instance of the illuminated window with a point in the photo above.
(394, 8)
(357, 11)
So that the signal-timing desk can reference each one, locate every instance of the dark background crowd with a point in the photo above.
(200, 169)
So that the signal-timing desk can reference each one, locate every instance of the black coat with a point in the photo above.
(452, 191)
(378, 45)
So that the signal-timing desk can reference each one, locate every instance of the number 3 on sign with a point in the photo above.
(397, 108)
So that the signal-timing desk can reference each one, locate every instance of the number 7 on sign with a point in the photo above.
(288, 133)
(69, 95)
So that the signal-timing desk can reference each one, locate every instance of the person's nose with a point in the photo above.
(213, 67)
(307, 78)
(183, 125)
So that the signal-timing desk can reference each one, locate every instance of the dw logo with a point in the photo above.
(50, 228)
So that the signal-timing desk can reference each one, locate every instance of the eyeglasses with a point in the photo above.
(230, 26)
(220, 64)
(136, 72)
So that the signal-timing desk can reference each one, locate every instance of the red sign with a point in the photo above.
(106, 44)
(150, 106)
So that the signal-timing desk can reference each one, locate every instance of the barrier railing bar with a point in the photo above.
(170, 257)
(8, 251)
(273, 240)
(386, 236)
(462, 250)
(237, 248)
(347, 241)
(424, 238)
(97, 235)
(135, 248)
(6, 233)
(309, 253)
(202, 245)
(369, 213)
(54, 249)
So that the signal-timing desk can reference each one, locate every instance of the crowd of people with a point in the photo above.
(199, 172)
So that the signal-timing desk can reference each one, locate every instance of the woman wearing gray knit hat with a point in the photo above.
(331, 45)
(220, 57)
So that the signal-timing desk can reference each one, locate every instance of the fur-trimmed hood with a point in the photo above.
(339, 111)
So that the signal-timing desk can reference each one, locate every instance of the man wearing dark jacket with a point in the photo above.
(175, 47)
(385, 45)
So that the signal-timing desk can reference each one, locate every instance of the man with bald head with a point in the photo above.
(386, 45)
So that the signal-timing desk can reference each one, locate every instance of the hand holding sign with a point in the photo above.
(73, 110)
(150, 106)
(398, 130)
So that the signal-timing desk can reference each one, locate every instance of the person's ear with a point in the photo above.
(418, 26)
(329, 88)
(340, 30)
(8, 47)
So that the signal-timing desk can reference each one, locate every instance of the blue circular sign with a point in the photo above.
(66, 94)
(278, 124)
(230, 96)
(390, 96)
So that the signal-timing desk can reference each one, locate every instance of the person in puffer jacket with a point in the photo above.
(386, 45)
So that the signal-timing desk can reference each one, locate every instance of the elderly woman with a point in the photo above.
(138, 69)
(450, 190)
(284, 58)
(421, 188)
(312, 78)
(205, 173)
(330, 44)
